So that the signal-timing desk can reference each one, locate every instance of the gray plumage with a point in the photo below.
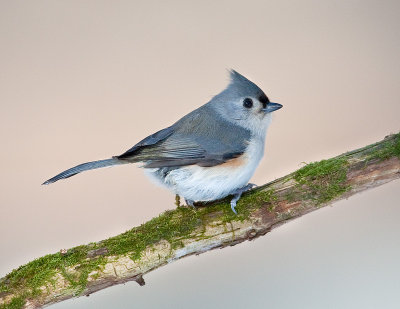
(202, 137)
(232, 124)
(83, 167)
(191, 140)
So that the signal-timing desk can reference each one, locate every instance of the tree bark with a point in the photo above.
(182, 232)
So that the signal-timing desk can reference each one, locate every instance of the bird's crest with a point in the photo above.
(242, 84)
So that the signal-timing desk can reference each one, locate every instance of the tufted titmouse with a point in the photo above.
(208, 154)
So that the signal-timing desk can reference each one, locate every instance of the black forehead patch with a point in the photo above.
(264, 100)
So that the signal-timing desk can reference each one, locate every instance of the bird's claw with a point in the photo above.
(190, 203)
(238, 193)
(236, 196)
(233, 205)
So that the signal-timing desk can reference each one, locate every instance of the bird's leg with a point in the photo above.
(177, 200)
(190, 203)
(238, 193)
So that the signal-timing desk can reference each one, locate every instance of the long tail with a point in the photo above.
(84, 167)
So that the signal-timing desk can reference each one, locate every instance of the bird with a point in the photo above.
(208, 154)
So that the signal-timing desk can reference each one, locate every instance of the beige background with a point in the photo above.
(84, 80)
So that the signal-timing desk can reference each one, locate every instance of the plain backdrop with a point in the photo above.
(85, 80)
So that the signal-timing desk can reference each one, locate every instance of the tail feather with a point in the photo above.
(84, 167)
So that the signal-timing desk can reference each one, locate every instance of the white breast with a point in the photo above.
(210, 183)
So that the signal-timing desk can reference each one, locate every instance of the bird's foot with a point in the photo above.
(190, 203)
(238, 193)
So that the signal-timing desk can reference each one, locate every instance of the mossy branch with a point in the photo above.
(181, 232)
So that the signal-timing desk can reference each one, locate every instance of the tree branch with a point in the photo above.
(182, 232)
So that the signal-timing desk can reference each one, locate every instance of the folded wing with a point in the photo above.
(195, 139)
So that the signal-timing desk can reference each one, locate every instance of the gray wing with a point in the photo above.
(201, 138)
(148, 141)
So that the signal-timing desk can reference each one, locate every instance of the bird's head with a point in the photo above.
(244, 103)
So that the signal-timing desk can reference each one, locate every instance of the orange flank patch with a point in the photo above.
(235, 162)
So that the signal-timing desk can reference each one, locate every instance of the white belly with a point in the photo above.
(198, 183)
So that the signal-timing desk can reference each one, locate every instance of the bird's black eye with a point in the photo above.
(248, 103)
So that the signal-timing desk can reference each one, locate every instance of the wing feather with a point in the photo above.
(197, 138)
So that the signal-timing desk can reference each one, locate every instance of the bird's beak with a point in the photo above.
(271, 107)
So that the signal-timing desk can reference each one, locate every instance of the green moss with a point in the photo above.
(171, 226)
(177, 225)
(16, 303)
(322, 181)
(3, 287)
(249, 201)
(257, 199)
(79, 277)
(34, 274)
(389, 148)
(290, 196)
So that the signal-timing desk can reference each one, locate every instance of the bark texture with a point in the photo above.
(183, 232)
